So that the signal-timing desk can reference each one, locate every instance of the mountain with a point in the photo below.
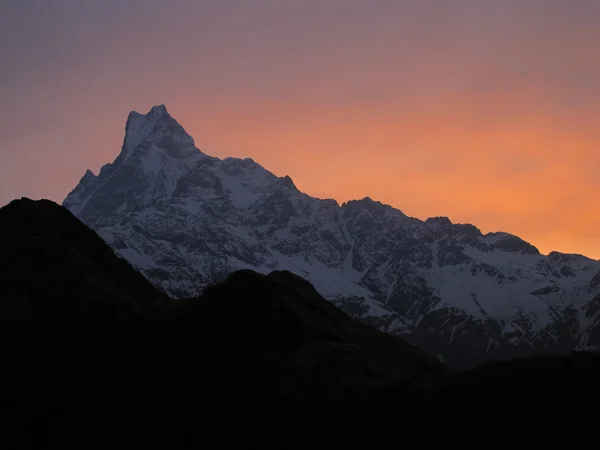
(185, 219)
(533, 403)
(52, 264)
(93, 354)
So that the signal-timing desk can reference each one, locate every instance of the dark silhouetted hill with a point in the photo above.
(53, 265)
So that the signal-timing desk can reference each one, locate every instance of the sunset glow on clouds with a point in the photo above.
(483, 111)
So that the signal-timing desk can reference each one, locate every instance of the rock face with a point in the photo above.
(185, 219)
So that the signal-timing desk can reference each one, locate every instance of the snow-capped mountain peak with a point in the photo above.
(138, 127)
(158, 126)
(185, 219)
(156, 153)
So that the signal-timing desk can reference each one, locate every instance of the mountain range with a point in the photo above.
(93, 354)
(185, 220)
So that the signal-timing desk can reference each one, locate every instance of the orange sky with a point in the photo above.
(485, 112)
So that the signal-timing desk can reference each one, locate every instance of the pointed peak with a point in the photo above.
(369, 202)
(139, 126)
(287, 182)
(88, 176)
(158, 109)
(467, 228)
(155, 112)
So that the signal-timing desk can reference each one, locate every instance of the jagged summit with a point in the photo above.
(156, 153)
(367, 202)
(159, 109)
(288, 182)
(155, 111)
(158, 126)
(137, 120)
(140, 125)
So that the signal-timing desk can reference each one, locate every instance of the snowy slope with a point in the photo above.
(185, 219)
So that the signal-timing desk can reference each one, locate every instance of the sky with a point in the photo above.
(484, 111)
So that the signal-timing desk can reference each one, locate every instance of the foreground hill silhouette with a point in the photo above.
(93, 355)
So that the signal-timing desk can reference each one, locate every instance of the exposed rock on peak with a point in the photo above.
(510, 243)
(439, 221)
(288, 182)
(468, 229)
(566, 257)
(368, 204)
(155, 112)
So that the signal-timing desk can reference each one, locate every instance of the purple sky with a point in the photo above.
(484, 111)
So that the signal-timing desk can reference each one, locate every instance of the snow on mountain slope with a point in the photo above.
(185, 219)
